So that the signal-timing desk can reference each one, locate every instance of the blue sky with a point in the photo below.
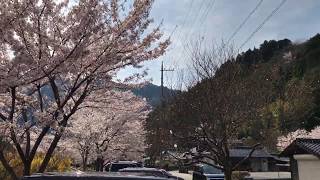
(216, 20)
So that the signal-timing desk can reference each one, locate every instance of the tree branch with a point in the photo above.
(246, 158)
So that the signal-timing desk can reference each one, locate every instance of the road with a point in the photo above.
(270, 175)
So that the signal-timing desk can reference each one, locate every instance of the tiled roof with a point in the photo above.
(244, 152)
(303, 146)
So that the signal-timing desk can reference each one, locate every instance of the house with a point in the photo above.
(304, 157)
(260, 160)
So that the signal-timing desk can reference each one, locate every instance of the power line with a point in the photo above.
(262, 24)
(173, 31)
(203, 18)
(180, 28)
(188, 13)
(245, 21)
(207, 12)
(196, 16)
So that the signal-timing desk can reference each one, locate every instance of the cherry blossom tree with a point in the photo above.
(109, 129)
(284, 141)
(56, 54)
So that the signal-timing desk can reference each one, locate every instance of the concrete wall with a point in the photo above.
(308, 167)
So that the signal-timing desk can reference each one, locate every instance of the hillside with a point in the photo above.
(266, 92)
(152, 93)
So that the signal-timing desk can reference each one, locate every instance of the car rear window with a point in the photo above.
(117, 167)
(146, 172)
(211, 170)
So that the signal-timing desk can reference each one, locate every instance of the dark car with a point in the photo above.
(151, 171)
(116, 166)
(206, 172)
(91, 176)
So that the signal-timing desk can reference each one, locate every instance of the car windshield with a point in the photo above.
(211, 170)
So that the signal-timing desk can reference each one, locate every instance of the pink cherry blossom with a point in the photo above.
(56, 56)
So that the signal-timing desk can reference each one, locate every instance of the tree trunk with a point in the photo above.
(49, 153)
(99, 164)
(84, 165)
(228, 168)
(84, 162)
(27, 168)
(228, 173)
(27, 164)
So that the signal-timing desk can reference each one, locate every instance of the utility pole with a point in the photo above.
(162, 116)
(162, 93)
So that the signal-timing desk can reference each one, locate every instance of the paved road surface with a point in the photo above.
(270, 175)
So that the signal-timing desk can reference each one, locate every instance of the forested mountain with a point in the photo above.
(294, 70)
(152, 93)
(278, 92)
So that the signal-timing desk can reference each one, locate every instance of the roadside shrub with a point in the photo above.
(240, 175)
(57, 163)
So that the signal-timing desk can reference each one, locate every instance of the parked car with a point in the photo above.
(206, 172)
(91, 176)
(152, 171)
(116, 166)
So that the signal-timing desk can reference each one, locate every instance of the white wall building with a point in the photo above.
(304, 159)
